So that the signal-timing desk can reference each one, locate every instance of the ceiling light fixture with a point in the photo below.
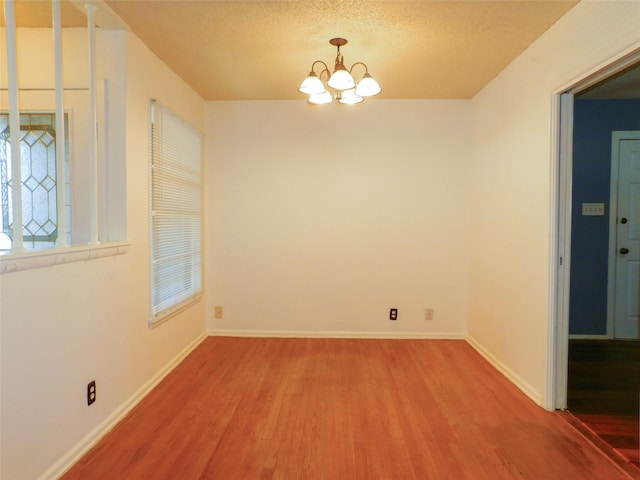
(340, 85)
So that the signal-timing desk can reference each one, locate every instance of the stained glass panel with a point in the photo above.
(39, 182)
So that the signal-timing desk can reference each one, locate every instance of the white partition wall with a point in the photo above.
(65, 325)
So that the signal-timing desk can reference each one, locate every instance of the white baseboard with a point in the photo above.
(84, 445)
(339, 334)
(513, 377)
(589, 337)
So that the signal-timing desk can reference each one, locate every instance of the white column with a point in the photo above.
(14, 125)
(93, 133)
(61, 184)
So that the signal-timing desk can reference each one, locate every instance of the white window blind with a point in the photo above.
(176, 212)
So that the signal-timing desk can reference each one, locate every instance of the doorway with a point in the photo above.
(596, 375)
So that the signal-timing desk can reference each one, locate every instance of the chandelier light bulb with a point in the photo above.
(341, 79)
(349, 97)
(320, 98)
(367, 87)
(311, 85)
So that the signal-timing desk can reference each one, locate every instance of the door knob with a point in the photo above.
(624, 251)
(623, 220)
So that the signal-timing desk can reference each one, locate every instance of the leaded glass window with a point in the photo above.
(39, 180)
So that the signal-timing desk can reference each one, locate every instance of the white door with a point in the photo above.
(626, 248)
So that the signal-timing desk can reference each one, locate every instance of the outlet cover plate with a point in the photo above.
(91, 392)
(593, 209)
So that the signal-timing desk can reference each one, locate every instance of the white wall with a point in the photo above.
(511, 167)
(321, 219)
(66, 325)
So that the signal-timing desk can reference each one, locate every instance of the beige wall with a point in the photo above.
(321, 219)
(317, 221)
(66, 325)
(511, 192)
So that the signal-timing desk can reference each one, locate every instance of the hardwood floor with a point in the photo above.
(267, 408)
(604, 391)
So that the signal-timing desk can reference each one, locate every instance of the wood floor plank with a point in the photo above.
(272, 408)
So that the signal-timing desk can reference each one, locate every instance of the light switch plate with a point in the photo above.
(592, 209)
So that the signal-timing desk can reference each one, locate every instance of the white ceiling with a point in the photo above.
(262, 50)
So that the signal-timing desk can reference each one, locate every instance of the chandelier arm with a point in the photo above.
(325, 71)
(313, 66)
(366, 70)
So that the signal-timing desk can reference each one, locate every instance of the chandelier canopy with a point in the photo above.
(340, 85)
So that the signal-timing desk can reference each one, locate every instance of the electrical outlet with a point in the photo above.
(91, 392)
(393, 314)
(218, 311)
(428, 314)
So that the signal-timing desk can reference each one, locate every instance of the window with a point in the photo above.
(176, 213)
(80, 214)
(39, 181)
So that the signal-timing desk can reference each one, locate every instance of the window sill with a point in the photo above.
(19, 261)
(175, 310)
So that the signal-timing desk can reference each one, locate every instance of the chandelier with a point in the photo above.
(339, 85)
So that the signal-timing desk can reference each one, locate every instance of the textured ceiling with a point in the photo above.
(232, 50)
(236, 50)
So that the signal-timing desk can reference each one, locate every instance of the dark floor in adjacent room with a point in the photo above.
(603, 391)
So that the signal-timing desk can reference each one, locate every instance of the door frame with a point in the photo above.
(616, 136)
(560, 228)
